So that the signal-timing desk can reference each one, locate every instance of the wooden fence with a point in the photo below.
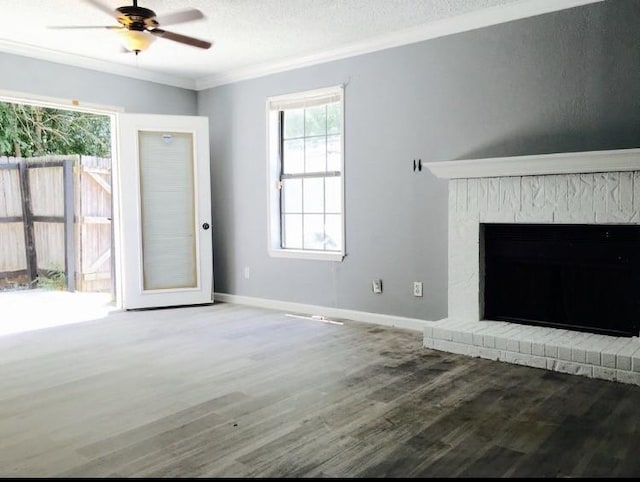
(55, 215)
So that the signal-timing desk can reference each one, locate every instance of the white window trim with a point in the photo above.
(273, 177)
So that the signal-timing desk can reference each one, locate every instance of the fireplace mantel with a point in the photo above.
(562, 163)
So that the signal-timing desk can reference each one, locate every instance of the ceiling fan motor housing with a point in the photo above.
(136, 18)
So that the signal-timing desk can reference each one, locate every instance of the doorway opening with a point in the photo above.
(56, 204)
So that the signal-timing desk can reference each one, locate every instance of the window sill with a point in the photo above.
(304, 254)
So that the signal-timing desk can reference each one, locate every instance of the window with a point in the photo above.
(306, 184)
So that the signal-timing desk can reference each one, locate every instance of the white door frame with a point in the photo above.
(112, 112)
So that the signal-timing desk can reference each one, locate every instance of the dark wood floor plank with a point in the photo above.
(231, 391)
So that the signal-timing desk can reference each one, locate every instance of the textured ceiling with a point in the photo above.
(245, 33)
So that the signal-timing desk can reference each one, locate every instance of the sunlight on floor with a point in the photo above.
(28, 310)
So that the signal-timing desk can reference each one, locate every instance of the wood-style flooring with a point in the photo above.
(231, 391)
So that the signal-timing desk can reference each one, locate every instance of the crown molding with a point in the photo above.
(40, 53)
(562, 163)
(462, 23)
(441, 28)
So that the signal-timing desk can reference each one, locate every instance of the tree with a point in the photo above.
(27, 130)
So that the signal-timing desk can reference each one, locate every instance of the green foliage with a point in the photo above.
(27, 131)
(54, 279)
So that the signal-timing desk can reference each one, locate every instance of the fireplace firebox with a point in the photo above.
(581, 277)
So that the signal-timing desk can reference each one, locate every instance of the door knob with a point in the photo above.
(205, 226)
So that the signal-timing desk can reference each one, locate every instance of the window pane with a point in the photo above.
(292, 231)
(332, 195)
(333, 240)
(314, 231)
(293, 156)
(314, 195)
(334, 119)
(334, 155)
(292, 195)
(315, 154)
(293, 123)
(315, 121)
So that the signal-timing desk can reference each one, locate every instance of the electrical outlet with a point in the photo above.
(247, 272)
(376, 286)
(417, 288)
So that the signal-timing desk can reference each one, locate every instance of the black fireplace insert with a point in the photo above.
(579, 277)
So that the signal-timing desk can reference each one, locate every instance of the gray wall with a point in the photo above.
(567, 81)
(38, 77)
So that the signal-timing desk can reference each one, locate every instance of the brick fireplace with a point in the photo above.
(587, 188)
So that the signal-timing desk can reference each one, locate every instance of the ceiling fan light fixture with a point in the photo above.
(136, 40)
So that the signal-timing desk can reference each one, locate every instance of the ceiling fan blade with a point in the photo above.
(82, 27)
(181, 17)
(176, 37)
(102, 7)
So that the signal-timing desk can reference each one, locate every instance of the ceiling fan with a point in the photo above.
(139, 28)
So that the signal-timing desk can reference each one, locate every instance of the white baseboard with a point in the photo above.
(289, 306)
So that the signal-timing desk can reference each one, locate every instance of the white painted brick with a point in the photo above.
(477, 339)
(513, 344)
(503, 338)
(624, 376)
(509, 194)
(472, 195)
(550, 350)
(636, 190)
(635, 362)
(562, 199)
(442, 334)
(626, 191)
(537, 348)
(624, 354)
(479, 333)
(578, 351)
(573, 192)
(600, 192)
(574, 217)
(461, 195)
(578, 354)
(493, 194)
(539, 343)
(612, 180)
(593, 357)
(488, 341)
(550, 192)
(461, 336)
(564, 352)
(617, 217)
(604, 373)
(537, 191)
(596, 346)
(451, 347)
(608, 359)
(453, 195)
(525, 347)
(537, 216)
(522, 359)
(428, 331)
(489, 353)
(586, 192)
(571, 368)
(483, 195)
(497, 217)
